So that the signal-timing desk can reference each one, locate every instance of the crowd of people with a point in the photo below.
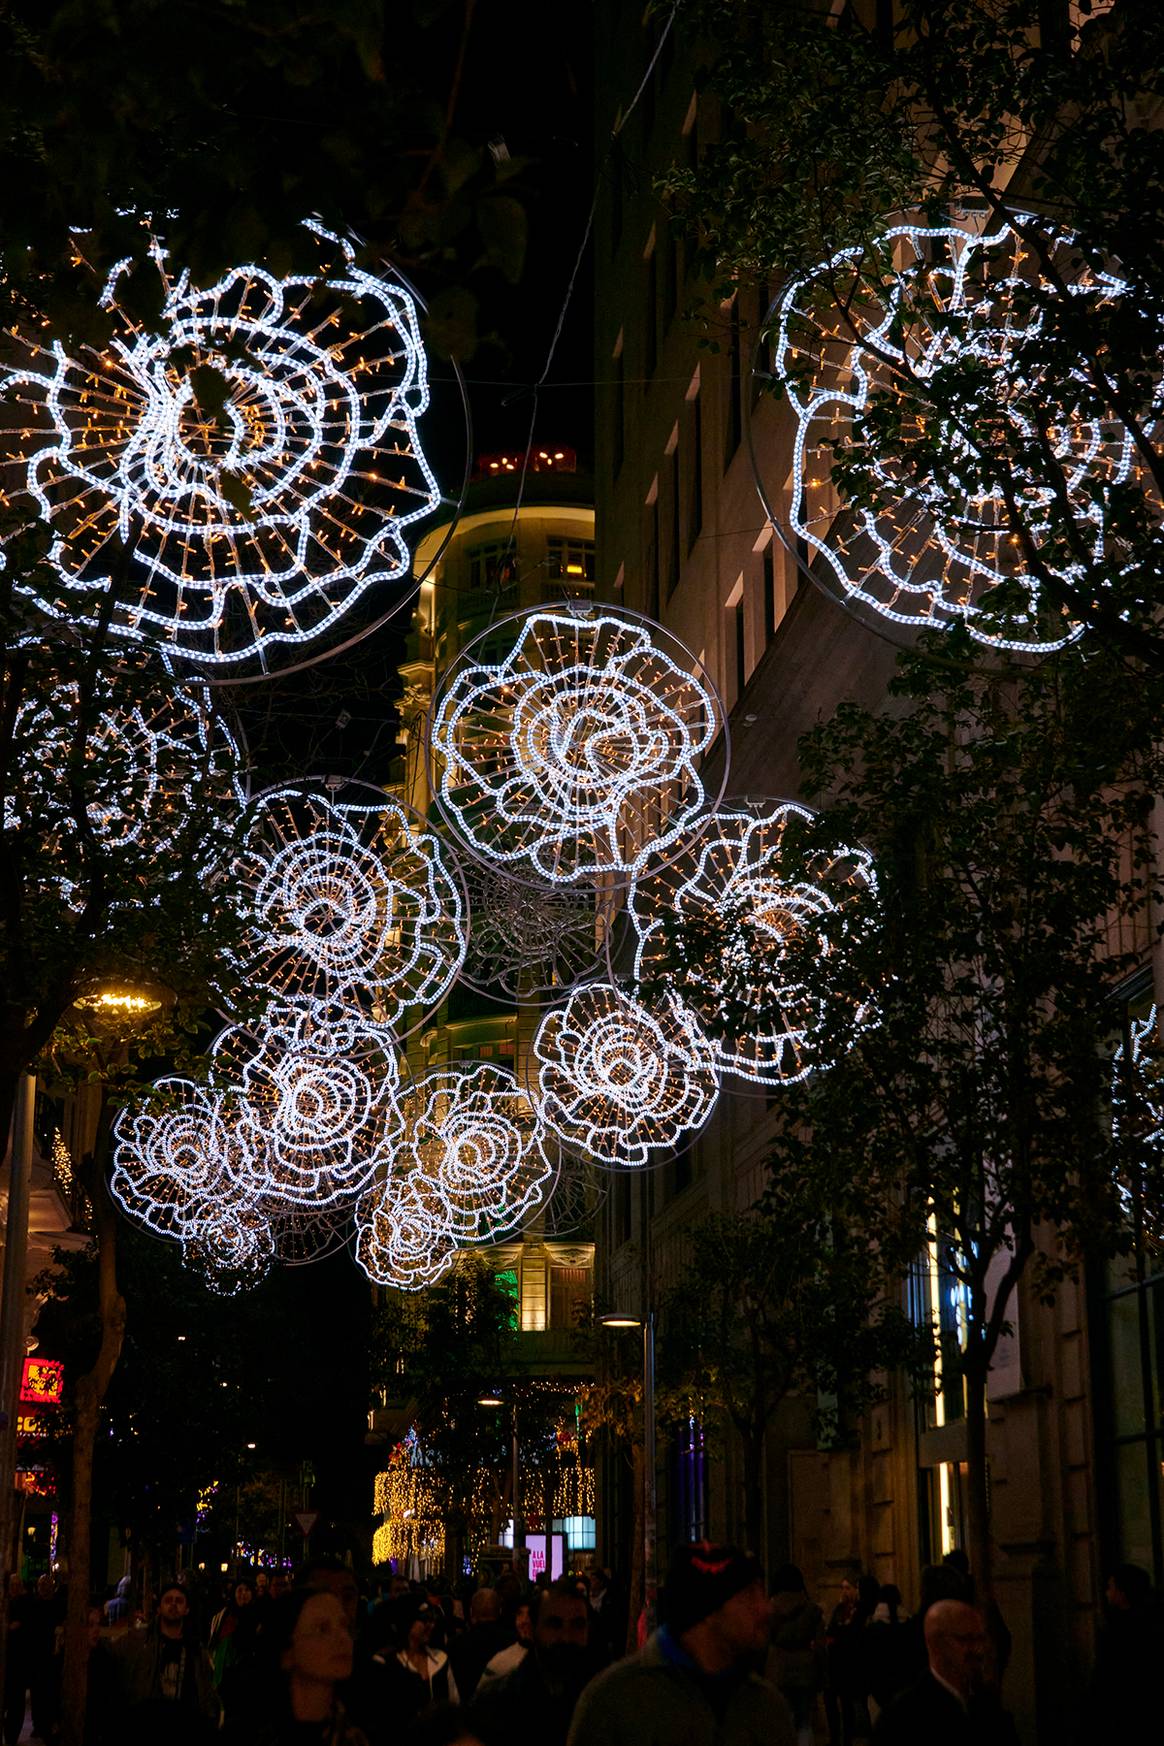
(735, 1662)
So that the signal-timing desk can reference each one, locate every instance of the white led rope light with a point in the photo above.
(576, 757)
(928, 552)
(619, 1083)
(740, 877)
(316, 1090)
(256, 455)
(402, 1237)
(176, 1161)
(350, 903)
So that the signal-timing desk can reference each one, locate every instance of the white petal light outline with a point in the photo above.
(620, 1083)
(350, 903)
(316, 1091)
(916, 556)
(575, 756)
(251, 529)
(739, 867)
(176, 1161)
(402, 1238)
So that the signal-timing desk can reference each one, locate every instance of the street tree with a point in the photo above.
(1031, 123)
(795, 1297)
(958, 1018)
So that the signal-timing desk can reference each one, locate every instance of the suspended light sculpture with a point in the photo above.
(402, 1236)
(148, 765)
(351, 903)
(752, 901)
(233, 1249)
(580, 1190)
(574, 754)
(953, 332)
(316, 1096)
(1137, 1088)
(527, 940)
(176, 1161)
(470, 1135)
(238, 472)
(618, 1083)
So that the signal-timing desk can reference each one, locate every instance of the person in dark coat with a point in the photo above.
(948, 1704)
(486, 1637)
(304, 1658)
(167, 1686)
(534, 1705)
(1123, 1700)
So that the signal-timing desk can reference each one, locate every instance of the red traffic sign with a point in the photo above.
(307, 1520)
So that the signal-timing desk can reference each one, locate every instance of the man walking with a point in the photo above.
(695, 1679)
(165, 1677)
(949, 1703)
(532, 1706)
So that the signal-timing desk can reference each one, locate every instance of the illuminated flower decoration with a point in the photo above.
(752, 901)
(176, 1160)
(350, 903)
(619, 1083)
(150, 763)
(233, 1251)
(576, 756)
(528, 940)
(580, 1192)
(949, 331)
(250, 457)
(470, 1135)
(1138, 1126)
(402, 1235)
(316, 1090)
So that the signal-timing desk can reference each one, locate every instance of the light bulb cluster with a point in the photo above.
(236, 472)
(1137, 1090)
(944, 332)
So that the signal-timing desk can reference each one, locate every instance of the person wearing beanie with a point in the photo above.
(695, 1680)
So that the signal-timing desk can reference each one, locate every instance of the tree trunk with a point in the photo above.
(90, 1392)
(753, 1447)
(979, 1549)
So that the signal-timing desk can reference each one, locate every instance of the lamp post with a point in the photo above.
(619, 1319)
(497, 1400)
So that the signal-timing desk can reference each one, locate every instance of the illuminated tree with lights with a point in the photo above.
(962, 210)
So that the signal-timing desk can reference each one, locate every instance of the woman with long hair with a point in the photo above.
(305, 1654)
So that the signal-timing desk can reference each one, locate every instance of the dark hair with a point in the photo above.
(787, 1579)
(279, 1625)
(958, 1560)
(562, 1587)
(943, 1582)
(889, 1595)
(1133, 1582)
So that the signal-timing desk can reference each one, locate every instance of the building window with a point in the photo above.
(690, 1483)
(571, 563)
(579, 1532)
(492, 566)
(695, 499)
(570, 1293)
(651, 332)
(735, 406)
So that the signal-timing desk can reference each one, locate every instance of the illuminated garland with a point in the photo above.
(1139, 1128)
(470, 1133)
(233, 1250)
(934, 305)
(618, 1082)
(530, 940)
(740, 879)
(576, 756)
(316, 1101)
(402, 1236)
(254, 452)
(145, 767)
(353, 904)
(176, 1162)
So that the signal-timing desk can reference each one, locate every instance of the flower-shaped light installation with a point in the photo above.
(576, 756)
(470, 1133)
(239, 471)
(176, 1160)
(233, 1250)
(402, 1236)
(955, 332)
(1137, 1088)
(758, 900)
(353, 904)
(316, 1090)
(529, 940)
(148, 764)
(619, 1083)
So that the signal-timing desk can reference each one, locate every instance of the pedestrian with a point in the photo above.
(421, 1675)
(842, 1657)
(951, 1703)
(366, 1693)
(487, 1636)
(695, 1681)
(165, 1678)
(446, 1725)
(508, 1659)
(232, 1630)
(101, 1684)
(1123, 1699)
(794, 1657)
(888, 1650)
(305, 1657)
(17, 1659)
(533, 1705)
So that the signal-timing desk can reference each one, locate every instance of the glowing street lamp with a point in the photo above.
(623, 1319)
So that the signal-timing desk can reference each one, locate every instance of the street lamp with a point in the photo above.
(622, 1319)
(498, 1400)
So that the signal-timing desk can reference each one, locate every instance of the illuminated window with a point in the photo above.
(570, 561)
